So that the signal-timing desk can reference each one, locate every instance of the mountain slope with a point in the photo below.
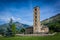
(18, 25)
(53, 22)
(51, 19)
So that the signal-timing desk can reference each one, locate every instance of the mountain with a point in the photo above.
(18, 25)
(51, 19)
(52, 22)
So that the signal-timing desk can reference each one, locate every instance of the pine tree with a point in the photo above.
(11, 29)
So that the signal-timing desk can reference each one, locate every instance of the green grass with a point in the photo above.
(55, 37)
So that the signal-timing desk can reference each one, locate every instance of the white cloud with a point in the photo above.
(7, 14)
(15, 18)
(7, 19)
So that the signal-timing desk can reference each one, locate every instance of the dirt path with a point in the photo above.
(35, 34)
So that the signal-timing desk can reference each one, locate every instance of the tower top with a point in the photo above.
(36, 7)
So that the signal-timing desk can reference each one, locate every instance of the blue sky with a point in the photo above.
(22, 10)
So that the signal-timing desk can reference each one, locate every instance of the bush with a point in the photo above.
(22, 30)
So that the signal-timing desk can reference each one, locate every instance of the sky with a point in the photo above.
(22, 10)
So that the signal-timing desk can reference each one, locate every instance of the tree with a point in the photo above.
(11, 29)
(22, 30)
(8, 32)
(2, 31)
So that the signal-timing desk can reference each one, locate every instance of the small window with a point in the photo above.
(35, 13)
(35, 24)
(35, 9)
(35, 16)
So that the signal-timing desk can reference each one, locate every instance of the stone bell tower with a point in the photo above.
(36, 21)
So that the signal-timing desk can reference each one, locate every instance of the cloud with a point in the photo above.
(22, 11)
(7, 19)
(15, 19)
(16, 15)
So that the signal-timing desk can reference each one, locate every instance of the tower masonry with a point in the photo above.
(36, 23)
(37, 27)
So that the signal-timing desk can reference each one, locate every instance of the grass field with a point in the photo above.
(55, 37)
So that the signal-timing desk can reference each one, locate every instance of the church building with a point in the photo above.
(37, 27)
